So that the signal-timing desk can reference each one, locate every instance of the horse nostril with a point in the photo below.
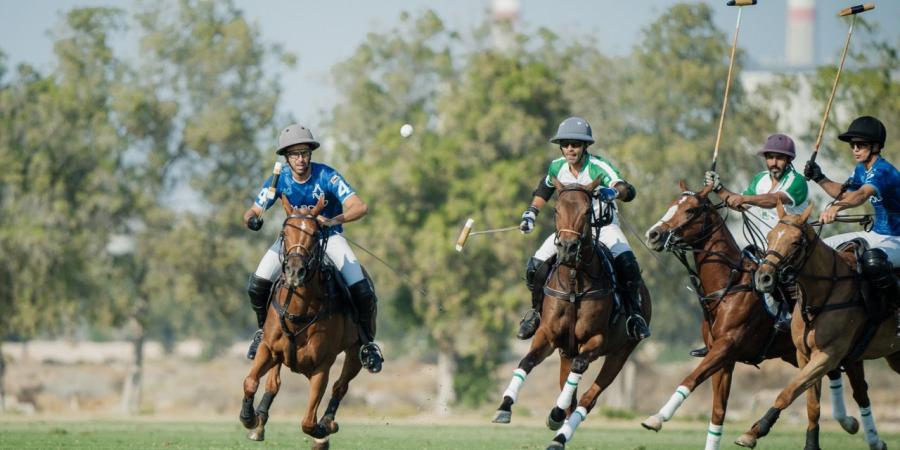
(653, 235)
(765, 279)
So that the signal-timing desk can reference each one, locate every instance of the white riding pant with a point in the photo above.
(611, 236)
(337, 250)
(890, 244)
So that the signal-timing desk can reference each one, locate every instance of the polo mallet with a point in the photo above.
(737, 29)
(851, 11)
(467, 231)
(270, 194)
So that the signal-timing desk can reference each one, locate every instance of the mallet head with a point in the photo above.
(856, 9)
(741, 2)
(276, 171)
(464, 234)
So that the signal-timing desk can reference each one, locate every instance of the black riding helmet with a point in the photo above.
(865, 128)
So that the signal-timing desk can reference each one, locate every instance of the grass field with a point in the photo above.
(97, 435)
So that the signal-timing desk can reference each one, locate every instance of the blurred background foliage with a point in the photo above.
(98, 236)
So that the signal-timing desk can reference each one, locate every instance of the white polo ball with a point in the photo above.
(406, 130)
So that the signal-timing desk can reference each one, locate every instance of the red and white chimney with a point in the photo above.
(799, 46)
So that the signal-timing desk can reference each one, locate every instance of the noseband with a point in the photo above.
(786, 266)
(675, 242)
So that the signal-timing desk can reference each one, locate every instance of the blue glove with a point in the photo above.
(607, 194)
(527, 225)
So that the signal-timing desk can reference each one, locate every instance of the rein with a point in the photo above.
(785, 271)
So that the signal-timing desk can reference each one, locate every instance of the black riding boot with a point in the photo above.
(536, 272)
(258, 289)
(367, 306)
(877, 268)
(628, 277)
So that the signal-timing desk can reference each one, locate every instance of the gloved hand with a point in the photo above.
(527, 225)
(812, 171)
(607, 194)
(255, 223)
(711, 178)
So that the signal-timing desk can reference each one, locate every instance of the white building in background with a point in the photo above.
(799, 37)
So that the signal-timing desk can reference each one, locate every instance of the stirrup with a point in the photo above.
(254, 344)
(529, 324)
(636, 327)
(371, 357)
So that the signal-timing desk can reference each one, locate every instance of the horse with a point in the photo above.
(579, 317)
(828, 319)
(303, 331)
(736, 327)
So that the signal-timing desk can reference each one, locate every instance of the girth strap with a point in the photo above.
(595, 294)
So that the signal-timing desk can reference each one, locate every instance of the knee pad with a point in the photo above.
(531, 269)
(627, 268)
(875, 263)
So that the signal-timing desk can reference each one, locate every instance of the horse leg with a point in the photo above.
(273, 385)
(318, 381)
(721, 387)
(612, 365)
(351, 368)
(810, 373)
(540, 350)
(813, 411)
(261, 364)
(857, 377)
(719, 356)
(838, 410)
(565, 366)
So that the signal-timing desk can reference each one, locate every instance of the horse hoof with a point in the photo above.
(320, 444)
(256, 435)
(746, 440)
(555, 446)
(653, 423)
(879, 446)
(250, 422)
(502, 416)
(329, 424)
(850, 424)
(554, 425)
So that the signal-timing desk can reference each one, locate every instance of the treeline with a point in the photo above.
(92, 151)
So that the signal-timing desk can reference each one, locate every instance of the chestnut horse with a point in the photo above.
(827, 321)
(579, 317)
(303, 331)
(736, 326)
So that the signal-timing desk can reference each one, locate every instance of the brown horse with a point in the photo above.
(579, 317)
(303, 331)
(736, 326)
(827, 321)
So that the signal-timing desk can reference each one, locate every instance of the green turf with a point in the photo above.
(96, 435)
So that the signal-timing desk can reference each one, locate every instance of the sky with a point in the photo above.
(323, 33)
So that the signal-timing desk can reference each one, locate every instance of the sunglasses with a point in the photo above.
(574, 144)
(306, 154)
(861, 145)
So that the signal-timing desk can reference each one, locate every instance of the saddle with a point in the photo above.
(336, 289)
(606, 260)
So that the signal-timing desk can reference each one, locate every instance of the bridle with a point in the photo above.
(595, 219)
(786, 267)
(674, 242)
(310, 258)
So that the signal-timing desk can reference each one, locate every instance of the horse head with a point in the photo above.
(300, 248)
(574, 212)
(790, 243)
(688, 221)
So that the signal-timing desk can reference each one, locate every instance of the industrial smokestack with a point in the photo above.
(799, 48)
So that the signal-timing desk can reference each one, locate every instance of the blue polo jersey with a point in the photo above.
(885, 178)
(323, 181)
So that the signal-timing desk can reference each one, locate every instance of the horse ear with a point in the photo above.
(556, 183)
(319, 206)
(705, 191)
(779, 207)
(682, 186)
(806, 212)
(593, 185)
(288, 209)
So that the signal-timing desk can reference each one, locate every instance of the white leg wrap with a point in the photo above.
(868, 422)
(713, 436)
(568, 429)
(512, 391)
(680, 395)
(838, 411)
(565, 397)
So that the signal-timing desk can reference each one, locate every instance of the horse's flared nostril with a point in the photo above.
(653, 235)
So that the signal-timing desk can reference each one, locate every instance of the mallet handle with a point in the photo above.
(737, 29)
(853, 10)
(495, 230)
(270, 194)
(833, 89)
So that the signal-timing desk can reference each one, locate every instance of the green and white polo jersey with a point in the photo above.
(792, 183)
(594, 167)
